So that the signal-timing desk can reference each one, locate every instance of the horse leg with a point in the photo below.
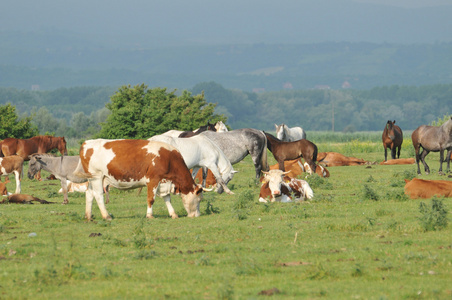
(386, 152)
(398, 151)
(448, 160)
(441, 159)
(281, 165)
(416, 151)
(393, 152)
(221, 184)
(64, 188)
(422, 158)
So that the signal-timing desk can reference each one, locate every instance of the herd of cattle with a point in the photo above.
(174, 161)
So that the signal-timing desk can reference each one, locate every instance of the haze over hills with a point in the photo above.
(248, 45)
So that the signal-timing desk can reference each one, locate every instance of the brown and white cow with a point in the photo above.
(129, 164)
(421, 188)
(277, 186)
(296, 168)
(76, 187)
(12, 164)
(3, 190)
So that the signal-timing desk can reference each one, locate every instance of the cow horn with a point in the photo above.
(207, 190)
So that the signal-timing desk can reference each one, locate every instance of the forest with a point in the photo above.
(77, 111)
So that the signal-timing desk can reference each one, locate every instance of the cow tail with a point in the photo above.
(1, 152)
(80, 172)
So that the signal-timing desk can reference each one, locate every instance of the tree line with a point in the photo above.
(139, 111)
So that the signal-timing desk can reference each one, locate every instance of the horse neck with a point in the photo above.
(224, 165)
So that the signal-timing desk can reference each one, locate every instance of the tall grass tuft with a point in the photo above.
(434, 216)
(369, 193)
(243, 204)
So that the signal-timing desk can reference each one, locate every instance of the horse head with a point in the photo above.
(34, 165)
(390, 129)
(281, 131)
(62, 146)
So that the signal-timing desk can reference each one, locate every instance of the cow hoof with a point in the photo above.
(150, 216)
(174, 216)
(65, 202)
(108, 218)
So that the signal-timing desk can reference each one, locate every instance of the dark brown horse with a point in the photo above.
(292, 150)
(209, 126)
(435, 139)
(392, 137)
(37, 144)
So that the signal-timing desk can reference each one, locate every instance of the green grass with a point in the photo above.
(348, 242)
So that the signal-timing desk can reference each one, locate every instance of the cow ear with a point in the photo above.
(406, 180)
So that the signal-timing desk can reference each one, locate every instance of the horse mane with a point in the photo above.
(272, 139)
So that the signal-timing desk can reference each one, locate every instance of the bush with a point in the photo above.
(434, 216)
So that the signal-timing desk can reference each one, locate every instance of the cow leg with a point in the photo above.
(170, 208)
(422, 158)
(152, 188)
(97, 191)
(64, 188)
(17, 176)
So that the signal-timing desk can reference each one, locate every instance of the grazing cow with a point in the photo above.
(210, 179)
(129, 164)
(13, 164)
(399, 161)
(276, 186)
(421, 188)
(392, 138)
(297, 168)
(334, 159)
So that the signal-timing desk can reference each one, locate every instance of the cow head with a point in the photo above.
(191, 201)
(274, 179)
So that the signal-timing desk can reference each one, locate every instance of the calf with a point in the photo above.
(76, 187)
(129, 164)
(399, 161)
(12, 164)
(3, 190)
(276, 186)
(421, 188)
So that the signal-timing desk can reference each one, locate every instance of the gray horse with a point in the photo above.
(433, 138)
(237, 144)
(60, 166)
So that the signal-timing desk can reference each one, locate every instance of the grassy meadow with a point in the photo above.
(359, 238)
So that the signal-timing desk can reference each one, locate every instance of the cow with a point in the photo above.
(334, 159)
(277, 186)
(76, 187)
(399, 161)
(296, 168)
(421, 188)
(129, 164)
(13, 164)
(3, 190)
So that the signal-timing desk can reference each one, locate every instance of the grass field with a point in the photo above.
(359, 238)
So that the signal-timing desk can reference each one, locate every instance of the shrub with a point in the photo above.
(369, 193)
(434, 216)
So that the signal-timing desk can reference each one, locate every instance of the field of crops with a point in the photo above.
(359, 238)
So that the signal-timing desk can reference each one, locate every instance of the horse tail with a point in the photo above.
(264, 162)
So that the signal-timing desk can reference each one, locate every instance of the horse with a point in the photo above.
(220, 127)
(286, 134)
(292, 150)
(198, 151)
(62, 167)
(392, 137)
(37, 144)
(435, 139)
(198, 131)
(237, 144)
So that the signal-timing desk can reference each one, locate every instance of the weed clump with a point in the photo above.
(434, 216)
(242, 205)
(369, 193)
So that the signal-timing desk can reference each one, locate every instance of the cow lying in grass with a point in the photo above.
(399, 161)
(296, 168)
(334, 159)
(277, 186)
(421, 188)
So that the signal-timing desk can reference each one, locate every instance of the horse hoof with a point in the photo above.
(174, 216)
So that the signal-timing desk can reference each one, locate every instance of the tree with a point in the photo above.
(139, 112)
(12, 126)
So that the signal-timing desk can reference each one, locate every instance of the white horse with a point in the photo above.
(198, 151)
(219, 126)
(286, 134)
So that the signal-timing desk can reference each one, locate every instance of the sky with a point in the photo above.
(225, 21)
